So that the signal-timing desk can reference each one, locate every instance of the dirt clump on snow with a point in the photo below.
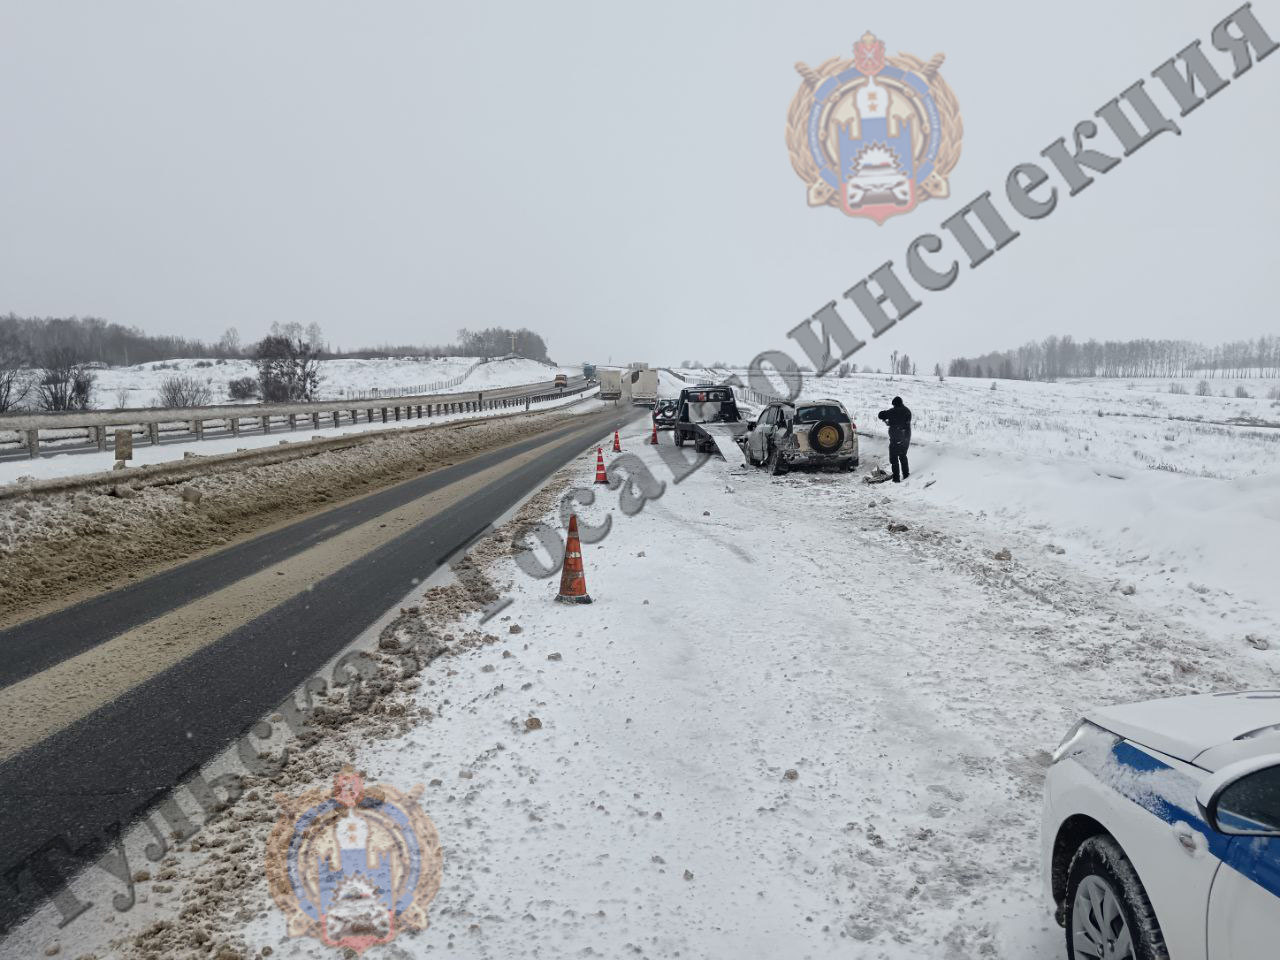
(60, 547)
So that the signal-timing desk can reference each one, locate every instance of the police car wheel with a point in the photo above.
(1108, 913)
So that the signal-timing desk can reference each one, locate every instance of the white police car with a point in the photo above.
(1161, 831)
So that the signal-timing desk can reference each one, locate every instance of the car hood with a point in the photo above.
(1204, 729)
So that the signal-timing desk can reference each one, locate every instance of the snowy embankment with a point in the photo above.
(1166, 492)
(139, 385)
(53, 465)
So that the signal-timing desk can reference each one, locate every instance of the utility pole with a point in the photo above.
(513, 343)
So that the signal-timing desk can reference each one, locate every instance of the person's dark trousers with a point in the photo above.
(898, 461)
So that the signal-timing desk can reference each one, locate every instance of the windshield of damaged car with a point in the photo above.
(814, 414)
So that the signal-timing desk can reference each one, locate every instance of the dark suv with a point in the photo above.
(665, 412)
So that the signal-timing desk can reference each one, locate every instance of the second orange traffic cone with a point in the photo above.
(654, 439)
(617, 444)
(600, 474)
(573, 581)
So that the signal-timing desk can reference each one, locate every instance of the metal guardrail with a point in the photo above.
(193, 421)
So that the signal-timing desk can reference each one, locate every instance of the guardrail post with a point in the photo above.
(33, 443)
(197, 429)
(266, 424)
(384, 414)
(293, 421)
(526, 404)
(480, 400)
(153, 433)
(100, 437)
(369, 413)
(234, 424)
(397, 411)
(419, 411)
(315, 421)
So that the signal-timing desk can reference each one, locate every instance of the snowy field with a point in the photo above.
(784, 730)
(139, 385)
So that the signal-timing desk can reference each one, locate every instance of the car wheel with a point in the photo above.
(1108, 913)
(826, 436)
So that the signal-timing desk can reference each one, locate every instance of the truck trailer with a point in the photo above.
(644, 387)
(610, 384)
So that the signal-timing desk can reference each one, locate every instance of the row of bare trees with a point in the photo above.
(56, 379)
(48, 363)
(1059, 357)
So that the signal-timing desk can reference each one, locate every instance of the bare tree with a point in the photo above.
(65, 382)
(288, 369)
(181, 391)
(122, 397)
(15, 378)
(229, 344)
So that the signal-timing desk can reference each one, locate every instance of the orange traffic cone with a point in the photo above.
(573, 582)
(617, 444)
(600, 475)
(654, 439)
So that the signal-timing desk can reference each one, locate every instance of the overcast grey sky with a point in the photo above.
(612, 175)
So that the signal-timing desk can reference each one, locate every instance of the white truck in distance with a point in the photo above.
(610, 384)
(644, 387)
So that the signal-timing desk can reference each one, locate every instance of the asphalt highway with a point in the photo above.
(64, 797)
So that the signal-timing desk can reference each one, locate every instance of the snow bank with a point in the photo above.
(139, 385)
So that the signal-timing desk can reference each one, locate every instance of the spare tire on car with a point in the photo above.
(826, 436)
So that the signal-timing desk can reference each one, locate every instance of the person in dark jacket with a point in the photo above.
(898, 417)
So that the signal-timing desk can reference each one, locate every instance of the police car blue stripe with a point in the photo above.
(1257, 858)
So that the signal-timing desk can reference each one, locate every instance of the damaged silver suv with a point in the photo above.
(816, 433)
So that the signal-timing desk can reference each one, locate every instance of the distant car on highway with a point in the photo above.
(561, 381)
(665, 412)
(1161, 830)
(812, 433)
